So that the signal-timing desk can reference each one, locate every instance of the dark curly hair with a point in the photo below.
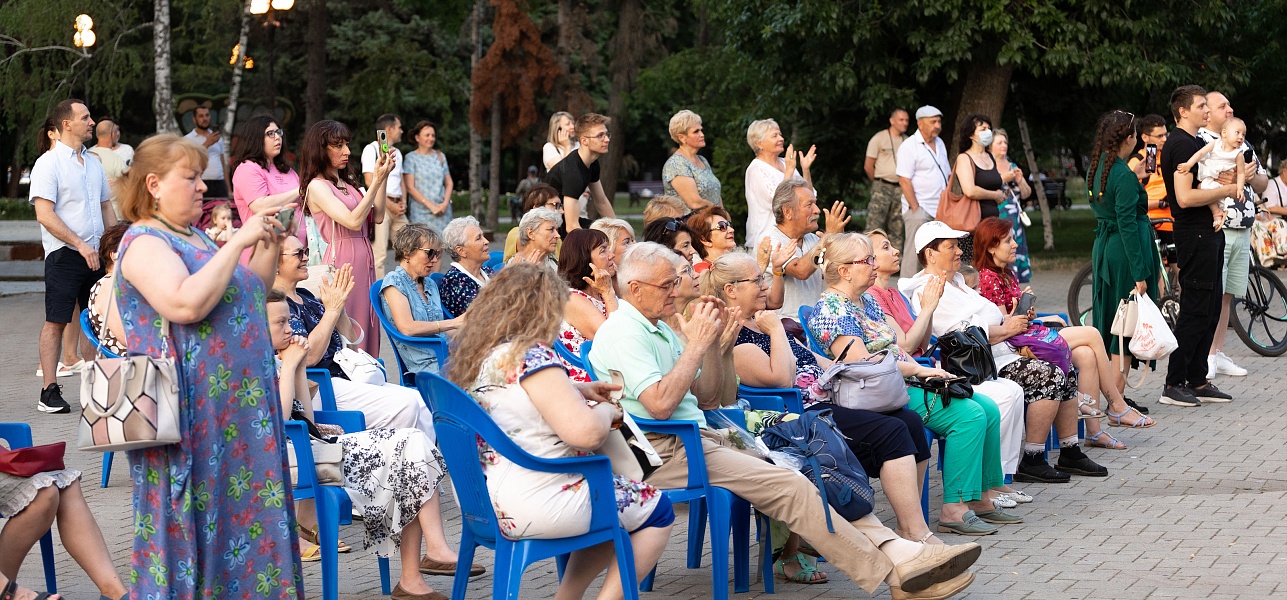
(968, 124)
(313, 160)
(1112, 129)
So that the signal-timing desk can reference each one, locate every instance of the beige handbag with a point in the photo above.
(327, 462)
(130, 402)
(1126, 318)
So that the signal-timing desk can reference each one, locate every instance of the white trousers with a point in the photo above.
(386, 406)
(1009, 398)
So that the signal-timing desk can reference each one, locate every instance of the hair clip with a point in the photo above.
(820, 260)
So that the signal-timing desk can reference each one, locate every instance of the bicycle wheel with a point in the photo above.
(1260, 318)
(1080, 297)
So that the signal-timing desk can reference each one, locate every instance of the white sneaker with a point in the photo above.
(1211, 367)
(1225, 366)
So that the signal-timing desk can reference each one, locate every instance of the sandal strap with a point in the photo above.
(10, 590)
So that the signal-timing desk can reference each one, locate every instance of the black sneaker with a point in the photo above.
(1179, 395)
(51, 400)
(1073, 460)
(1211, 393)
(1143, 410)
(1034, 469)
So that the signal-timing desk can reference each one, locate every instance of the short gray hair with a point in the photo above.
(683, 121)
(758, 129)
(785, 195)
(454, 234)
(641, 259)
(533, 219)
(411, 236)
(611, 227)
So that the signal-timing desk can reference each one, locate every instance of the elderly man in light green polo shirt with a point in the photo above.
(664, 379)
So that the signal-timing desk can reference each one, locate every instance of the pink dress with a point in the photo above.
(353, 247)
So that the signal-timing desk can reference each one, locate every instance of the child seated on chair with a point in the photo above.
(385, 472)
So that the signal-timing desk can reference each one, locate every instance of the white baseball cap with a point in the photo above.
(935, 230)
(927, 111)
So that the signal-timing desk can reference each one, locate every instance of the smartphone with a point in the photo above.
(1025, 303)
(1248, 156)
(383, 138)
(286, 217)
(1150, 158)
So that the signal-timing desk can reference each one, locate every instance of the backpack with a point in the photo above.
(827, 460)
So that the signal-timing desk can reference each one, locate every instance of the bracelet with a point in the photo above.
(781, 273)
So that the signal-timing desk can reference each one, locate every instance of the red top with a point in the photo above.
(1002, 291)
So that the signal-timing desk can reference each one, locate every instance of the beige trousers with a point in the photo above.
(786, 496)
(383, 233)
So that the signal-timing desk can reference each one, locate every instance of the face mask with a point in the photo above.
(985, 138)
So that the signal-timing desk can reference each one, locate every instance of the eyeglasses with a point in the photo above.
(431, 253)
(554, 205)
(603, 135)
(301, 254)
(722, 226)
(762, 280)
(687, 270)
(668, 287)
(869, 261)
(275, 133)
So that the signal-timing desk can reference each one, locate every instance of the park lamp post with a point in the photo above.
(84, 39)
(266, 7)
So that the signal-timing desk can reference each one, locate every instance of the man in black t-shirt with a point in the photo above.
(579, 170)
(1200, 250)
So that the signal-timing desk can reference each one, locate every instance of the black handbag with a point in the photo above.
(946, 389)
(966, 352)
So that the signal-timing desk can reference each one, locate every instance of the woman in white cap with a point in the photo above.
(1051, 396)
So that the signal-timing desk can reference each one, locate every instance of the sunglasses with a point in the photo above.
(431, 253)
(673, 225)
(722, 226)
(301, 254)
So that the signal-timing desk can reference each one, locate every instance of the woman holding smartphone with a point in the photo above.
(344, 215)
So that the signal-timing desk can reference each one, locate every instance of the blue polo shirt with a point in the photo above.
(643, 352)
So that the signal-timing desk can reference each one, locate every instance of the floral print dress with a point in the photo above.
(834, 316)
(213, 514)
(529, 504)
(430, 171)
(807, 370)
(573, 339)
(459, 288)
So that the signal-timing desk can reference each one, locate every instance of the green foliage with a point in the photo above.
(16, 209)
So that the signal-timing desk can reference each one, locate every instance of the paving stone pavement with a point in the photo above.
(1193, 509)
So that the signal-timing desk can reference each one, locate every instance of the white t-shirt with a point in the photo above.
(550, 154)
(798, 292)
(393, 187)
(126, 152)
(761, 180)
(214, 168)
(928, 169)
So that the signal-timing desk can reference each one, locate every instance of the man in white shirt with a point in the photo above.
(923, 170)
(202, 133)
(795, 207)
(395, 206)
(69, 191)
(113, 164)
(125, 151)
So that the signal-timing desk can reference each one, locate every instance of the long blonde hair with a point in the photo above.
(522, 305)
(553, 135)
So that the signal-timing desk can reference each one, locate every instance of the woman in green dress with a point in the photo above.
(1124, 258)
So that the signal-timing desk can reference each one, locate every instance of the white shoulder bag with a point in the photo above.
(359, 366)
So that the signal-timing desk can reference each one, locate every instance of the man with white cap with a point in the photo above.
(1050, 395)
(922, 169)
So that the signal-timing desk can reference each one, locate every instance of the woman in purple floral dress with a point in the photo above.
(213, 514)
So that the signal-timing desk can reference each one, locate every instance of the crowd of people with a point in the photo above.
(680, 314)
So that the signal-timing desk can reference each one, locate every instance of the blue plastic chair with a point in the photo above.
(790, 400)
(434, 344)
(804, 313)
(333, 505)
(437, 280)
(459, 422)
(496, 261)
(18, 435)
(705, 500)
(87, 328)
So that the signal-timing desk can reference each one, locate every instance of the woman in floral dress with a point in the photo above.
(503, 361)
(427, 179)
(587, 265)
(212, 513)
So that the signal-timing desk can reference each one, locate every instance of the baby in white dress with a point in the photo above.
(1217, 157)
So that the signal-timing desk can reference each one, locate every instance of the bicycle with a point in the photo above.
(1081, 290)
(1260, 316)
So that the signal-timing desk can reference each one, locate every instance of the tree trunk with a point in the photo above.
(561, 94)
(230, 120)
(627, 48)
(163, 96)
(1047, 228)
(315, 90)
(475, 140)
(984, 91)
(493, 190)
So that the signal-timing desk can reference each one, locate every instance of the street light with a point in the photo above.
(84, 37)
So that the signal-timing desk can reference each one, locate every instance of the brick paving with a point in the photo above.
(1193, 509)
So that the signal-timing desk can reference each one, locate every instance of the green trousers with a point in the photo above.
(972, 454)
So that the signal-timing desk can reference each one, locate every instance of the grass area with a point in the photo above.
(16, 209)
(1074, 237)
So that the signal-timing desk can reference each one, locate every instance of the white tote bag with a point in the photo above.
(359, 366)
(1153, 339)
